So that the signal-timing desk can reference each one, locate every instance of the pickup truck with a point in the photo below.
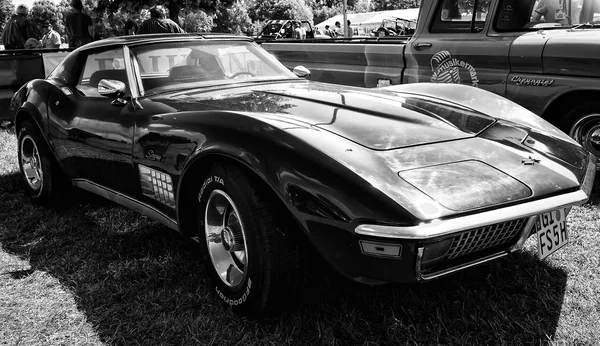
(541, 56)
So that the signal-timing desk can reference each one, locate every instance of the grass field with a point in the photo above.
(93, 273)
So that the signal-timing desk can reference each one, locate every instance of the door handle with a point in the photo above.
(419, 45)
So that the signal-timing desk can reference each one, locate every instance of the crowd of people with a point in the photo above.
(20, 32)
(336, 32)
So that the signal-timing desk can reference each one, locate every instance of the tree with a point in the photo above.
(46, 11)
(234, 20)
(7, 9)
(385, 5)
(197, 22)
(173, 6)
(283, 9)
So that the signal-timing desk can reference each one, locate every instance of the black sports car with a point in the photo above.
(213, 137)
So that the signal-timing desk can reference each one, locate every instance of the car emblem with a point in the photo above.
(530, 161)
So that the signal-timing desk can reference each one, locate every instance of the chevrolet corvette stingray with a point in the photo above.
(213, 137)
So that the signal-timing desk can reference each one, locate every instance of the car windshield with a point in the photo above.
(172, 65)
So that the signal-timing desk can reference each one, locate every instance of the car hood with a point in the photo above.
(432, 156)
(557, 52)
(377, 121)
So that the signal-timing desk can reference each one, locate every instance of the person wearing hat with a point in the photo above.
(51, 38)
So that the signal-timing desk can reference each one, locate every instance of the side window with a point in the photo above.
(105, 64)
(453, 16)
(66, 71)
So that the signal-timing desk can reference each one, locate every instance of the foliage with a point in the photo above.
(323, 13)
(362, 6)
(7, 9)
(282, 9)
(197, 22)
(385, 5)
(47, 11)
(174, 7)
(234, 20)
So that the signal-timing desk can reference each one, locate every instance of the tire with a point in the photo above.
(582, 123)
(248, 256)
(381, 33)
(40, 173)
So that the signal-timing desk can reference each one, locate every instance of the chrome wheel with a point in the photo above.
(31, 163)
(226, 239)
(586, 131)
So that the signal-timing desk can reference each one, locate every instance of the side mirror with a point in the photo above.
(301, 71)
(111, 88)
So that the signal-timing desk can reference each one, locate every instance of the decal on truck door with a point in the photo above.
(446, 69)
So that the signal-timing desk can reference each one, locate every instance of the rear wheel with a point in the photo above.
(39, 170)
(582, 123)
(249, 257)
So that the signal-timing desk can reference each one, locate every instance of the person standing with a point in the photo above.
(329, 32)
(158, 23)
(337, 30)
(19, 29)
(348, 30)
(51, 38)
(131, 27)
(79, 25)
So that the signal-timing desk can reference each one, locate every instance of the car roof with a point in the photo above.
(149, 38)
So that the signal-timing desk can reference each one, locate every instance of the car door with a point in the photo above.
(454, 48)
(91, 133)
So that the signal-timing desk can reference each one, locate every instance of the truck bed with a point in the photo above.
(362, 62)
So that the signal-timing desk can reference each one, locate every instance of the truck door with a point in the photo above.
(454, 47)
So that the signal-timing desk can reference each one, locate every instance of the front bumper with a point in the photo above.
(382, 253)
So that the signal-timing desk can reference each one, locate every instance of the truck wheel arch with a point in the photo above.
(566, 111)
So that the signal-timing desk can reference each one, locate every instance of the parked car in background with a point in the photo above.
(213, 137)
(283, 29)
(395, 27)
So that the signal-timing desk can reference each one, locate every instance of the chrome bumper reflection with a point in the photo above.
(436, 228)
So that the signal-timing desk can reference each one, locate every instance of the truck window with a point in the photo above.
(453, 16)
(520, 15)
(513, 15)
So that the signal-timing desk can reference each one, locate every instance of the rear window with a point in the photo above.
(453, 16)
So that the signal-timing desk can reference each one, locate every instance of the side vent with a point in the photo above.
(157, 185)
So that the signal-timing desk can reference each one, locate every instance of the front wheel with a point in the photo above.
(249, 256)
(583, 125)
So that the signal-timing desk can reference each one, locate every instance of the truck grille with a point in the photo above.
(485, 238)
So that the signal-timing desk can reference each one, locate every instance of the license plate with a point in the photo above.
(551, 232)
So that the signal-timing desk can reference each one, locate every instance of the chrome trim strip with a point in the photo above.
(126, 201)
(426, 277)
(440, 227)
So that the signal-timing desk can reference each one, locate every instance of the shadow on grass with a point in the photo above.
(140, 283)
